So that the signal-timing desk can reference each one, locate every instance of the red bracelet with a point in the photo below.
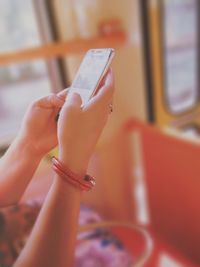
(85, 183)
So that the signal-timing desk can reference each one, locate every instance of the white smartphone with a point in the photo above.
(91, 71)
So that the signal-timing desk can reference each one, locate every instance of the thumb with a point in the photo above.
(73, 99)
(73, 102)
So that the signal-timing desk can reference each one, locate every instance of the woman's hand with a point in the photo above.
(79, 128)
(39, 127)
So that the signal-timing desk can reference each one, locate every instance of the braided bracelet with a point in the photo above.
(84, 183)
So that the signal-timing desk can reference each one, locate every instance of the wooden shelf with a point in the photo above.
(61, 49)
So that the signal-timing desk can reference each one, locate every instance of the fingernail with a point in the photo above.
(72, 95)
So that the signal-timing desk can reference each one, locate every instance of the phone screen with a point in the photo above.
(90, 72)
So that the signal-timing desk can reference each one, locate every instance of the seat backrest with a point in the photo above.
(172, 177)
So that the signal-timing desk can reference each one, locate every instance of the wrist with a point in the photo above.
(84, 182)
(28, 148)
(73, 163)
(66, 189)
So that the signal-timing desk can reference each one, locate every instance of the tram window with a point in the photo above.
(20, 83)
(180, 45)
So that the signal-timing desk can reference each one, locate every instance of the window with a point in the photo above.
(180, 29)
(20, 83)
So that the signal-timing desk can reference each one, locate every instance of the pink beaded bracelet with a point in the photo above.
(84, 183)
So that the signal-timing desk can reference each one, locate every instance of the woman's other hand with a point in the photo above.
(39, 127)
(80, 127)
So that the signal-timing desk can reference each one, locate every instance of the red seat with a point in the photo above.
(172, 177)
(162, 255)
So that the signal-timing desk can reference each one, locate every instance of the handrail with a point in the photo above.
(62, 48)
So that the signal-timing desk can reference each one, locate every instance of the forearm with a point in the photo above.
(52, 240)
(17, 167)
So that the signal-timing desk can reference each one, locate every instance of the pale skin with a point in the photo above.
(52, 240)
(37, 136)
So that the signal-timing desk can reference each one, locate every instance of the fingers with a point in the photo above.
(49, 102)
(63, 94)
(58, 100)
(105, 94)
(104, 79)
(108, 85)
(73, 100)
(53, 100)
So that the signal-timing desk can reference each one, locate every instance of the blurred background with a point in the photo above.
(147, 160)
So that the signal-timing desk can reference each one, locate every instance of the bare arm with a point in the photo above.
(17, 167)
(52, 240)
(38, 135)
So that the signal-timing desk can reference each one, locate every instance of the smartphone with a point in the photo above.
(91, 71)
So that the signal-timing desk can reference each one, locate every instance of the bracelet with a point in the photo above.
(84, 183)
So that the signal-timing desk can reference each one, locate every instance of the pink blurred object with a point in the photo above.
(110, 27)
